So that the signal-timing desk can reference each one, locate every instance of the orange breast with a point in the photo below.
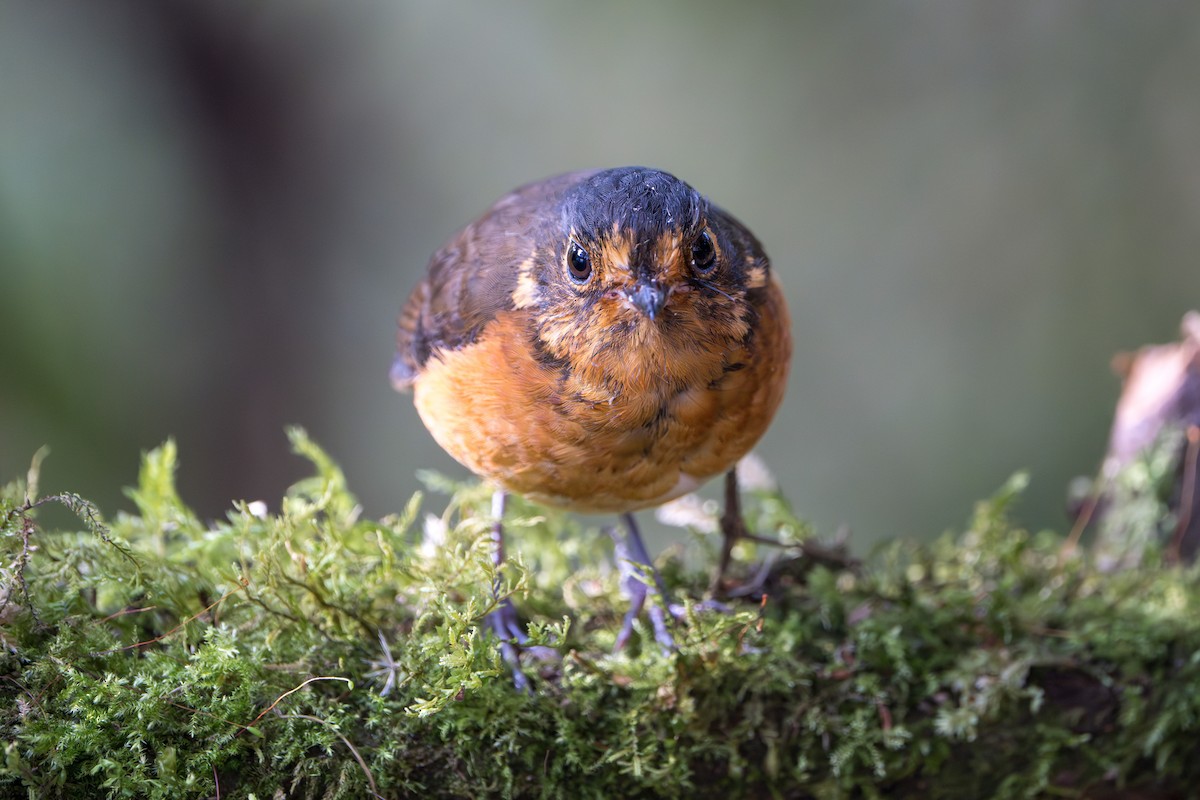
(612, 447)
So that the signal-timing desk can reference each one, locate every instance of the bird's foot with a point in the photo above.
(503, 618)
(504, 623)
(638, 588)
(637, 592)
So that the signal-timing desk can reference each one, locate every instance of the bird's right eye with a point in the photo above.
(579, 263)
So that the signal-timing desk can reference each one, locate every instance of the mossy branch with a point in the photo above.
(315, 653)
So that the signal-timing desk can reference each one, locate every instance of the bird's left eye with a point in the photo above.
(704, 255)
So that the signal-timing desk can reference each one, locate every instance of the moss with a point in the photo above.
(316, 653)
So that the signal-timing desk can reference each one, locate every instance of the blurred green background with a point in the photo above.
(211, 212)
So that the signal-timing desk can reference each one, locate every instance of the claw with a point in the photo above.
(508, 629)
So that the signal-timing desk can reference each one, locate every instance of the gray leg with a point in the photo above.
(733, 527)
(503, 620)
(630, 550)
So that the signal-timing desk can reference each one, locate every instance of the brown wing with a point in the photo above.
(472, 277)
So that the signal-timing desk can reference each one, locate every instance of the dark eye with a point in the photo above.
(703, 254)
(579, 263)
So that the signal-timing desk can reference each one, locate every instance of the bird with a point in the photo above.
(602, 341)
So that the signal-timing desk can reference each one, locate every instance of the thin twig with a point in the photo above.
(27, 530)
(295, 689)
(1081, 521)
(125, 611)
(86, 510)
(243, 583)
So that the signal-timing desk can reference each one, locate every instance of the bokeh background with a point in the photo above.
(211, 212)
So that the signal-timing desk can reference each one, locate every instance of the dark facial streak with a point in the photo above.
(544, 357)
(712, 287)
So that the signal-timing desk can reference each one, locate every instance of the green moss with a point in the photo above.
(315, 653)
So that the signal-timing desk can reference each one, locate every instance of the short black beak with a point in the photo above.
(648, 297)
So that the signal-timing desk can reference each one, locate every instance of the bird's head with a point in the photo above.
(639, 259)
